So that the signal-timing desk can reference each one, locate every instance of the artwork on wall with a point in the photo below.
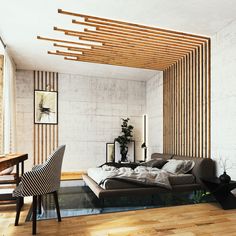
(130, 154)
(45, 107)
(110, 157)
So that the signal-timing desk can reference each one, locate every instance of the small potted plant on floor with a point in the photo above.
(125, 138)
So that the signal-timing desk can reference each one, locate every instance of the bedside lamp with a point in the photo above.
(144, 146)
(145, 150)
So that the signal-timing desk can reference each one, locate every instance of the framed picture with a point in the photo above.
(130, 154)
(110, 157)
(45, 107)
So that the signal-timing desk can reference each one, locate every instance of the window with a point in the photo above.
(1, 104)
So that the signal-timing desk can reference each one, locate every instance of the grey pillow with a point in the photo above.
(158, 163)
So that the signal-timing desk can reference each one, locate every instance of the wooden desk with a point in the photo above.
(8, 161)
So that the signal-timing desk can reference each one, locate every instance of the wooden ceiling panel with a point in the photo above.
(124, 44)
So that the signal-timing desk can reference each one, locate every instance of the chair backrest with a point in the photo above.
(52, 168)
(44, 178)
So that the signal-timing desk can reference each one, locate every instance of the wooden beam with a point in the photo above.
(117, 51)
(174, 33)
(96, 57)
(117, 64)
(65, 41)
(102, 37)
(141, 37)
(103, 26)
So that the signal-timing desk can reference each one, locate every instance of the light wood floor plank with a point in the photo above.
(189, 220)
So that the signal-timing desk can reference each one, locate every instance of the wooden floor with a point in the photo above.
(201, 219)
(72, 175)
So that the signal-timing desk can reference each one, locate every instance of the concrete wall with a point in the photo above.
(24, 115)
(90, 111)
(154, 98)
(224, 97)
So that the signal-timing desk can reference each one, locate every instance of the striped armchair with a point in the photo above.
(42, 179)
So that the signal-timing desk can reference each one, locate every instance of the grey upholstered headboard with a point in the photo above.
(203, 168)
(161, 156)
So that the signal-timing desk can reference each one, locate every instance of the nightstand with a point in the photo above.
(221, 192)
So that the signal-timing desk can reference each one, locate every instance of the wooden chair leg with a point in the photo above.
(18, 208)
(34, 214)
(57, 205)
(39, 204)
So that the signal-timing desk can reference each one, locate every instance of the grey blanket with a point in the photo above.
(141, 175)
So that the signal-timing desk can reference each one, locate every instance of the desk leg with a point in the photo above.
(18, 209)
(22, 168)
(22, 172)
(17, 175)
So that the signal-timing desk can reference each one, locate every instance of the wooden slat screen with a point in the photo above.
(45, 135)
(187, 94)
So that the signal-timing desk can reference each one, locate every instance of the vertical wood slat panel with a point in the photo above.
(203, 103)
(186, 100)
(190, 104)
(45, 135)
(209, 97)
(35, 134)
(178, 108)
(164, 109)
(187, 107)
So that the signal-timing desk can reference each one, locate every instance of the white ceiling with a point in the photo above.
(21, 22)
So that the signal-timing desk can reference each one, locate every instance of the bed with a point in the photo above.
(203, 168)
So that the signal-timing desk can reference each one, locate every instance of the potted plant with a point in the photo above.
(125, 138)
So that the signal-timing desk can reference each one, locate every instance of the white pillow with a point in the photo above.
(173, 166)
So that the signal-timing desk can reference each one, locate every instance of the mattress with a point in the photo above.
(97, 174)
(182, 179)
(174, 180)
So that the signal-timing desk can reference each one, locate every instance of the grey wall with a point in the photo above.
(90, 111)
(90, 116)
(223, 125)
(154, 98)
(24, 114)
